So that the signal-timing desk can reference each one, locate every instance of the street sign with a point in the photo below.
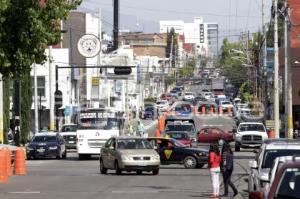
(95, 81)
(270, 124)
(122, 70)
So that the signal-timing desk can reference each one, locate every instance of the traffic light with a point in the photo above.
(122, 70)
(58, 99)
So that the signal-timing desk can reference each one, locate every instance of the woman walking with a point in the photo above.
(227, 168)
(214, 168)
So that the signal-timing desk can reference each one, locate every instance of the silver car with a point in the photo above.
(129, 154)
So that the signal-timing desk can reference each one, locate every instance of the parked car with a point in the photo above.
(269, 151)
(129, 154)
(182, 136)
(172, 151)
(149, 112)
(249, 134)
(46, 145)
(286, 184)
(213, 135)
(68, 131)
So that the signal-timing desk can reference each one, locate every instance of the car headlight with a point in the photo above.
(202, 154)
(29, 148)
(156, 157)
(53, 147)
(125, 157)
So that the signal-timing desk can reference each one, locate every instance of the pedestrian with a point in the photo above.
(227, 169)
(214, 168)
(140, 128)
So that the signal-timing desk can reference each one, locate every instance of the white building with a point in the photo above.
(202, 34)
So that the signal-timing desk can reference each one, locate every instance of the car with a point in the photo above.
(249, 134)
(225, 105)
(242, 112)
(149, 112)
(183, 126)
(214, 135)
(286, 184)
(162, 105)
(182, 136)
(188, 96)
(269, 151)
(171, 151)
(129, 153)
(49, 144)
(182, 108)
(174, 93)
(68, 131)
(207, 95)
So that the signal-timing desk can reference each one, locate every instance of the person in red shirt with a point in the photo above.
(214, 168)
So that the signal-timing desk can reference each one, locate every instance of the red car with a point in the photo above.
(181, 136)
(213, 135)
(166, 96)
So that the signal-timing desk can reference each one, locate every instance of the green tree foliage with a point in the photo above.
(27, 27)
(172, 48)
(188, 69)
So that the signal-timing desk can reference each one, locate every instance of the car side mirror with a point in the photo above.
(111, 147)
(256, 195)
(253, 164)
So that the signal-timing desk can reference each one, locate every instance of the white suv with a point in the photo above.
(269, 151)
(250, 134)
(188, 96)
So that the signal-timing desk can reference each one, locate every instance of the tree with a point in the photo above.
(188, 69)
(172, 48)
(26, 29)
(6, 106)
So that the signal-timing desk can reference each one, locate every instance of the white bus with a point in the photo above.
(95, 126)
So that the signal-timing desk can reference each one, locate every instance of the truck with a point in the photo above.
(217, 86)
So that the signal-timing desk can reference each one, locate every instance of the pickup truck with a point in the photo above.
(249, 134)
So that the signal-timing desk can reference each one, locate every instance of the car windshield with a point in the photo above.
(44, 139)
(178, 136)
(270, 156)
(174, 127)
(133, 144)
(161, 102)
(252, 127)
(69, 128)
(99, 123)
(226, 103)
(149, 109)
(289, 184)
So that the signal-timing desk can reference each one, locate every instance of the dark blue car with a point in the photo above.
(149, 112)
(44, 145)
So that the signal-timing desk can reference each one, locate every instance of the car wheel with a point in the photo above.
(103, 170)
(155, 172)
(190, 162)
(59, 156)
(237, 147)
(81, 157)
(139, 172)
(64, 156)
(117, 168)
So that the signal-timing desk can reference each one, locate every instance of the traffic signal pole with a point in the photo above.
(1, 111)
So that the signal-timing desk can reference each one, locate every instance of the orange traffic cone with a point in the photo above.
(20, 164)
(211, 109)
(195, 110)
(229, 111)
(220, 110)
(8, 161)
(157, 133)
(203, 110)
(3, 170)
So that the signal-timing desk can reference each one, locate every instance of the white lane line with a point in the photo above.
(24, 192)
(135, 191)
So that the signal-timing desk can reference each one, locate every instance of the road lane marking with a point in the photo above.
(24, 192)
(135, 191)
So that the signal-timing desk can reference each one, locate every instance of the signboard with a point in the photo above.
(270, 124)
(95, 81)
(88, 45)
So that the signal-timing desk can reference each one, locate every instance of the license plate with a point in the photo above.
(71, 142)
(142, 163)
(41, 150)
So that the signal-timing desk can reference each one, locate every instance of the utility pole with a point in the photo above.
(288, 75)
(51, 91)
(116, 25)
(264, 51)
(36, 116)
(1, 111)
(17, 106)
(276, 67)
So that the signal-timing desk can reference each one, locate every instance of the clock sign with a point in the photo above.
(88, 45)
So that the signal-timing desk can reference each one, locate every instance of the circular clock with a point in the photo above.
(88, 45)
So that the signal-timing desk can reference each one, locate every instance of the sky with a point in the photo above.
(233, 16)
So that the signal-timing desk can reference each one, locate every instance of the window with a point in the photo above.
(40, 85)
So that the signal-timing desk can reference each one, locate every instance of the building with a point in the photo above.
(295, 20)
(202, 35)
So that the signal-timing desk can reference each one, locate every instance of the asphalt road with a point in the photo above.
(74, 179)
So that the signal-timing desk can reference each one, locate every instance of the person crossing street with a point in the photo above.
(140, 129)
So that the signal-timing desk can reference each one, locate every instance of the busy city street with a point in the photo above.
(128, 99)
